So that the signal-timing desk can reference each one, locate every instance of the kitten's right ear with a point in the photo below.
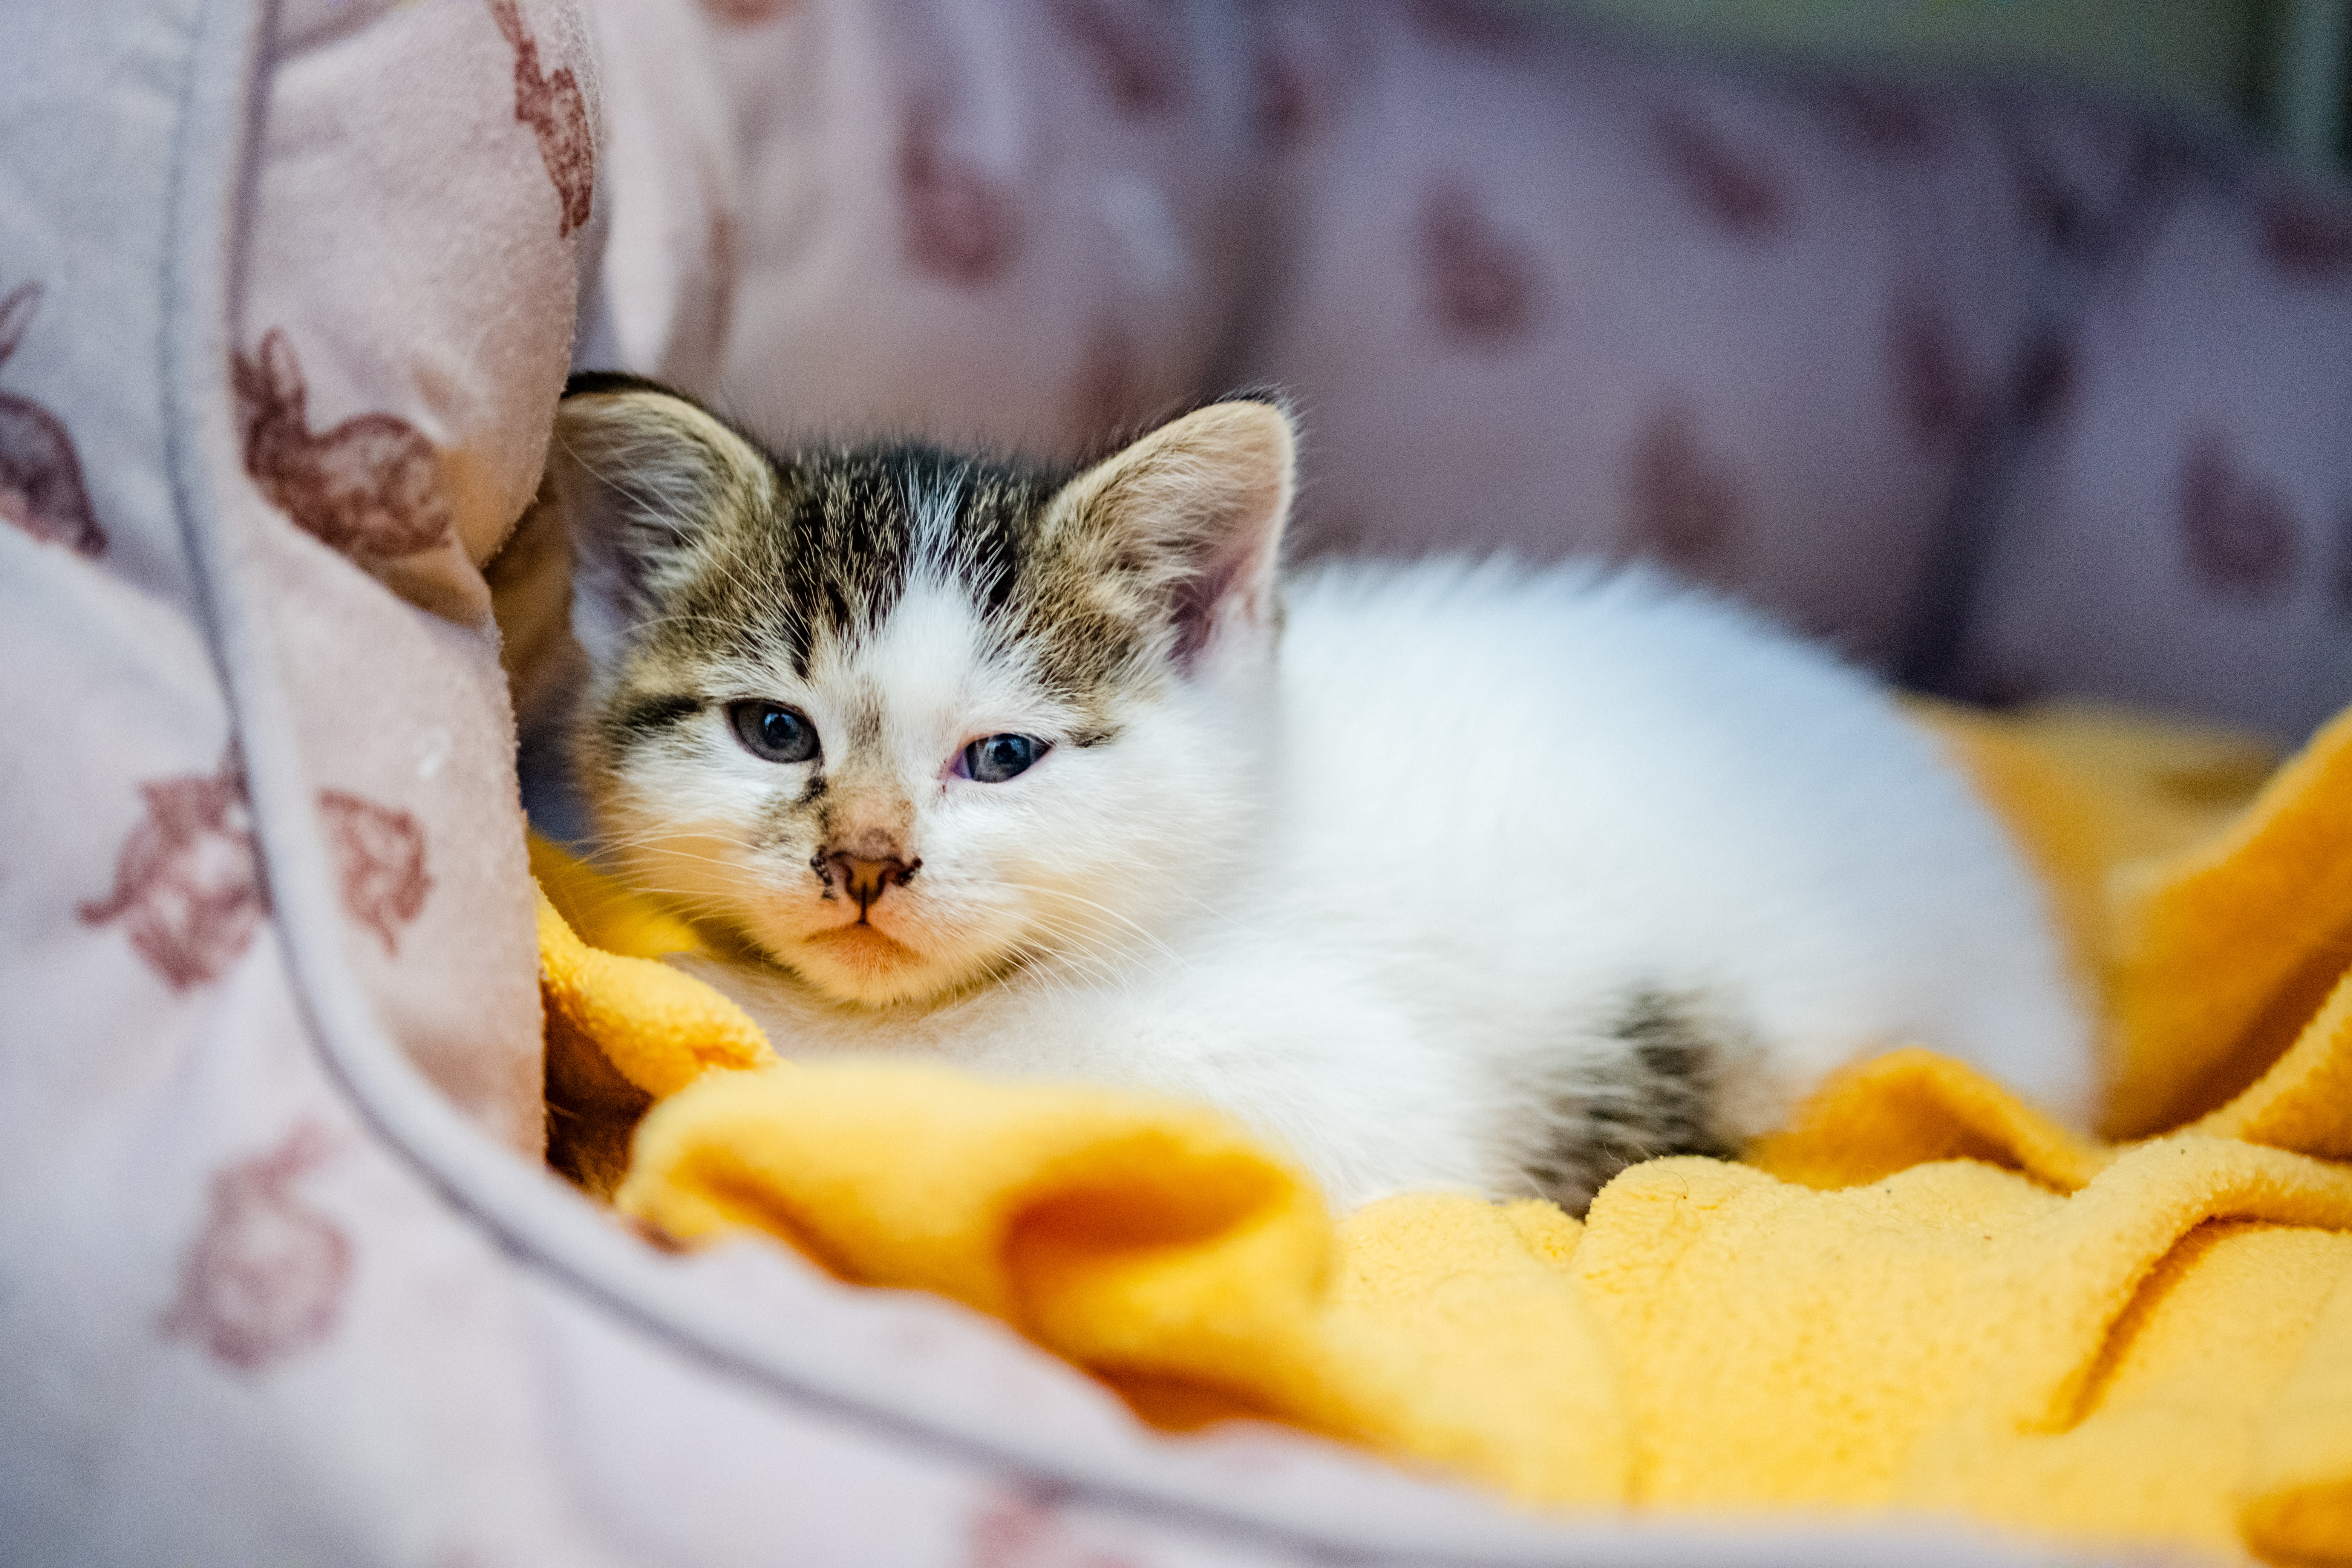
(1192, 513)
(638, 472)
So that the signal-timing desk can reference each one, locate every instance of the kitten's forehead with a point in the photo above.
(880, 560)
(933, 658)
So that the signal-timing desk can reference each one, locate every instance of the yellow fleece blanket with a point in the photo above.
(1923, 1296)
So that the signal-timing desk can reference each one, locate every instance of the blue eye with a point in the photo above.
(772, 731)
(995, 758)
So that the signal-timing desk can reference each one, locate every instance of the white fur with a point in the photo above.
(1378, 896)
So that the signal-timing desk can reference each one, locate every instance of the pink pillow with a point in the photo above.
(423, 181)
(2178, 530)
(1533, 290)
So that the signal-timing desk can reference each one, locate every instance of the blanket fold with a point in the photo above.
(1924, 1294)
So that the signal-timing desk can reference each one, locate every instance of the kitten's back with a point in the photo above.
(1528, 787)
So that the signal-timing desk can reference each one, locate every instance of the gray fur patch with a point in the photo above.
(1656, 1094)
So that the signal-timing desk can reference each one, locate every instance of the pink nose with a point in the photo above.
(867, 881)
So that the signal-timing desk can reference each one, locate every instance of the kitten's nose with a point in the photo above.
(865, 880)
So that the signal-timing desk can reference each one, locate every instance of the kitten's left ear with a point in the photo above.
(1193, 512)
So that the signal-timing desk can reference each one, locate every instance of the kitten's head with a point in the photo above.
(902, 720)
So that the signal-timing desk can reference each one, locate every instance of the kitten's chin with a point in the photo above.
(862, 966)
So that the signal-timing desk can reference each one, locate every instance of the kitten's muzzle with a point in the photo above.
(866, 879)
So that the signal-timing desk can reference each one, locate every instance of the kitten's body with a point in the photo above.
(1490, 880)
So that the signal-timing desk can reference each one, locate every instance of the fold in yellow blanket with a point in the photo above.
(1924, 1296)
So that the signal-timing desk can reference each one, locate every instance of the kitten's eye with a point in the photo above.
(995, 758)
(773, 732)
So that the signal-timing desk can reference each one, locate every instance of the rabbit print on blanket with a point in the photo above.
(41, 489)
(369, 486)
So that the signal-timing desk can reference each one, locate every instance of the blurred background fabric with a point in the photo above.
(2276, 67)
(1989, 341)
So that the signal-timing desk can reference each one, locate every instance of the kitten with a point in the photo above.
(1439, 875)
